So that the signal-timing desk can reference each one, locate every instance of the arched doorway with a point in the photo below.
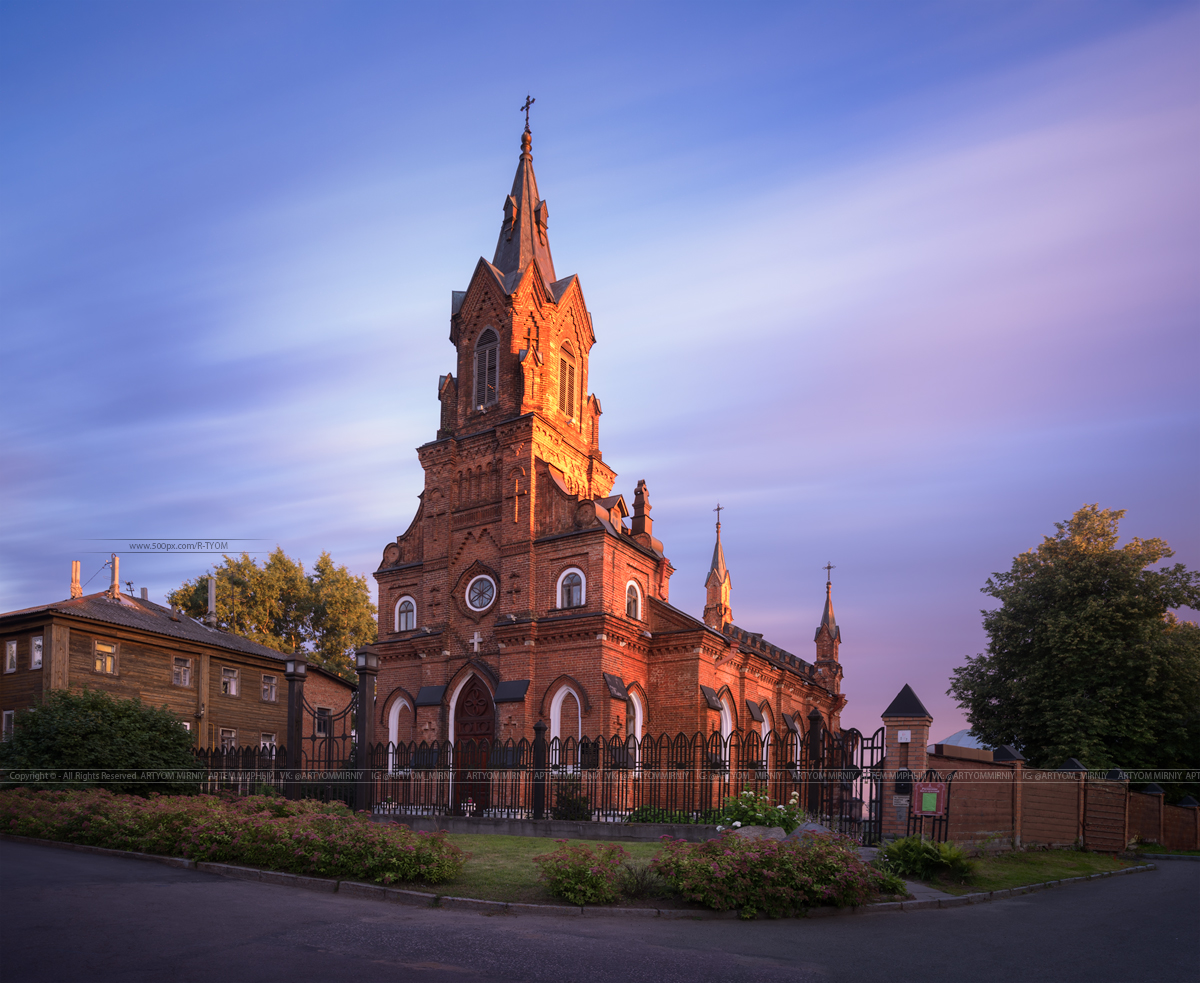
(474, 731)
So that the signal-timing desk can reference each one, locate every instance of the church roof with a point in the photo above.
(523, 236)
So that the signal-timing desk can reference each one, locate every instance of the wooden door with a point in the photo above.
(474, 732)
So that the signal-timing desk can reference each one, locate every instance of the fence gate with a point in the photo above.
(327, 754)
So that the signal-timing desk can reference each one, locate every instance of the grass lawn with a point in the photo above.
(501, 868)
(1033, 867)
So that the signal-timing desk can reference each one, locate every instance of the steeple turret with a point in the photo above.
(523, 236)
(717, 611)
(829, 635)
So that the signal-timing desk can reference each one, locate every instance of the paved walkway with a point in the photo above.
(69, 916)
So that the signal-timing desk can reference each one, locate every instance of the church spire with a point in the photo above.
(829, 635)
(523, 234)
(717, 611)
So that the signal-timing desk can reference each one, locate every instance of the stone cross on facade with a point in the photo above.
(476, 640)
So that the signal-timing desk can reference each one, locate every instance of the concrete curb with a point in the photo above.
(421, 899)
(1195, 858)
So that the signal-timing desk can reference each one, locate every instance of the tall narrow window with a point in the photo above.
(487, 351)
(10, 656)
(406, 614)
(566, 381)
(181, 672)
(270, 689)
(633, 602)
(35, 652)
(572, 591)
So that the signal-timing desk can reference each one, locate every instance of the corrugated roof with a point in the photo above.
(133, 612)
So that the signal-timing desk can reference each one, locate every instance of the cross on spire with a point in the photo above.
(525, 109)
(827, 568)
(718, 511)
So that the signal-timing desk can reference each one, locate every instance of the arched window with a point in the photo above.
(635, 716)
(487, 353)
(406, 614)
(400, 725)
(766, 733)
(566, 381)
(633, 602)
(726, 726)
(571, 589)
(566, 714)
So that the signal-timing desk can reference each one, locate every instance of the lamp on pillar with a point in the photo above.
(367, 664)
(295, 669)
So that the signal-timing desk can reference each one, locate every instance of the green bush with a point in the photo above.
(925, 860)
(91, 732)
(776, 878)
(316, 839)
(581, 876)
(570, 802)
(753, 808)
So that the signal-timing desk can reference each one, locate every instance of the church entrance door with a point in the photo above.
(474, 732)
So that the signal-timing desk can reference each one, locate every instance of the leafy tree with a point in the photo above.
(1086, 658)
(327, 613)
(90, 731)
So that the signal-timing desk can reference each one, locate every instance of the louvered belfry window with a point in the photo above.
(486, 356)
(566, 383)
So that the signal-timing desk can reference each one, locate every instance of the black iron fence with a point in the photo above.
(658, 779)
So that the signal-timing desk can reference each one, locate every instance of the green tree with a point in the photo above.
(91, 731)
(327, 614)
(1085, 657)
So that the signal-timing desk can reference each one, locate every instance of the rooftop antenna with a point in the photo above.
(129, 587)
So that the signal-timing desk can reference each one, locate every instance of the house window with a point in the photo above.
(106, 657)
(406, 614)
(266, 742)
(228, 739)
(181, 672)
(270, 688)
(571, 588)
(486, 354)
(323, 722)
(633, 602)
(10, 656)
(187, 725)
(566, 381)
(9, 716)
(35, 652)
(229, 682)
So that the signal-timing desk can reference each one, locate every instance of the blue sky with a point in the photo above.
(901, 285)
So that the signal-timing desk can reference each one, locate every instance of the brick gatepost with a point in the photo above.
(907, 724)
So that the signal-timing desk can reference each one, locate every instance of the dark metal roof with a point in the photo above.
(710, 697)
(523, 232)
(509, 691)
(906, 704)
(756, 643)
(133, 612)
(430, 696)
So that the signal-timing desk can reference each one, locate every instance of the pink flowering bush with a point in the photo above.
(581, 876)
(311, 838)
(779, 879)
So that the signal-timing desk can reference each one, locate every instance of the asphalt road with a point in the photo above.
(69, 916)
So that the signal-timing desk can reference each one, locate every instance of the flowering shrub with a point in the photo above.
(311, 838)
(754, 809)
(776, 878)
(581, 876)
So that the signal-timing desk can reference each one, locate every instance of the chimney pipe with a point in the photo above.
(76, 589)
(115, 588)
(212, 601)
(145, 593)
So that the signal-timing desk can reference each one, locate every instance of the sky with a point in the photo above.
(900, 285)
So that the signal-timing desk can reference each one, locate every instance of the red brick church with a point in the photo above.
(525, 587)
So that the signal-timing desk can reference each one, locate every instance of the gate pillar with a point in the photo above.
(539, 770)
(367, 664)
(295, 669)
